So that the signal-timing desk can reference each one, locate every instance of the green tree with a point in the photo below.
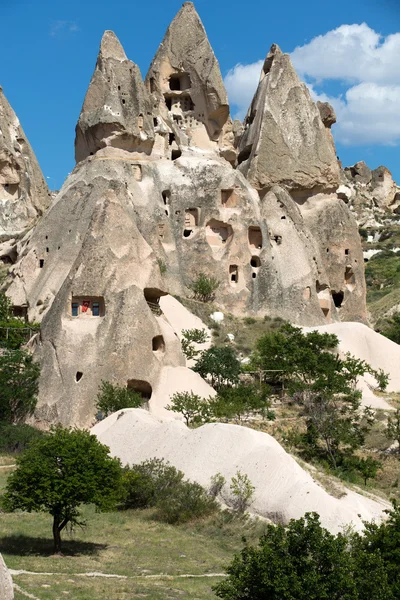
(190, 405)
(220, 365)
(393, 428)
(322, 383)
(115, 397)
(304, 561)
(59, 473)
(368, 468)
(204, 287)
(241, 401)
(392, 329)
(19, 376)
(190, 337)
(13, 332)
(242, 492)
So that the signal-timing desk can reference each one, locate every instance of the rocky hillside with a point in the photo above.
(166, 188)
(374, 198)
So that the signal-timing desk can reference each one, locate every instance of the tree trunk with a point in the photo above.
(56, 535)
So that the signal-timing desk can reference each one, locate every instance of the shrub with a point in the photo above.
(242, 492)
(114, 397)
(190, 405)
(217, 483)
(145, 484)
(204, 287)
(187, 501)
(16, 438)
(18, 384)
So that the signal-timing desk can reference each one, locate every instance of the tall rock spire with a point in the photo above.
(117, 108)
(186, 83)
(24, 194)
(285, 140)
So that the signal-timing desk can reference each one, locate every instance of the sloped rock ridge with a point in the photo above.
(165, 187)
(6, 584)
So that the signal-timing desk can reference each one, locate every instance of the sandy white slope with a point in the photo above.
(283, 489)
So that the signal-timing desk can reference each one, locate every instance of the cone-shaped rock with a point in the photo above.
(135, 222)
(24, 194)
(186, 81)
(285, 141)
(117, 108)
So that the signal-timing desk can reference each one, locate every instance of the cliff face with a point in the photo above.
(159, 196)
(24, 195)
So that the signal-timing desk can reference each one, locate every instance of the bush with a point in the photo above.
(217, 483)
(190, 405)
(242, 492)
(16, 438)
(18, 384)
(115, 397)
(145, 484)
(204, 287)
(186, 502)
(190, 336)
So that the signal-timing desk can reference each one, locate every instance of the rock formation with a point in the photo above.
(24, 195)
(6, 584)
(156, 198)
(285, 140)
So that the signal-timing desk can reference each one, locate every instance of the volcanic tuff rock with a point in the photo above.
(285, 140)
(155, 199)
(24, 194)
(6, 584)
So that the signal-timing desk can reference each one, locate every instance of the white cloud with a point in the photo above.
(59, 26)
(351, 53)
(363, 62)
(241, 83)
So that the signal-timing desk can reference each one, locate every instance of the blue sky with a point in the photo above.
(49, 49)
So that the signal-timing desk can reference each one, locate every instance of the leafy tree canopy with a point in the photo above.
(220, 365)
(19, 386)
(60, 472)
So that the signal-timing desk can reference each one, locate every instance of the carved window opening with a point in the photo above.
(255, 262)
(141, 387)
(152, 297)
(171, 138)
(168, 102)
(86, 306)
(166, 195)
(255, 238)
(140, 121)
(283, 217)
(191, 218)
(254, 275)
(158, 344)
(152, 85)
(78, 376)
(41, 263)
(218, 233)
(175, 154)
(277, 239)
(234, 274)
(179, 81)
(161, 228)
(229, 198)
(337, 298)
(137, 171)
(349, 278)
(307, 293)
(347, 251)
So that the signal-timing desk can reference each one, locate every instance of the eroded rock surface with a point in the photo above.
(6, 584)
(24, 195)
(156, 199)
(285, 141)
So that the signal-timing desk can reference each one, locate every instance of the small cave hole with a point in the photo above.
(47, 250)
(78, 376)
(187, 232)
(123, 101)
(168, 102)
(166, 195)
(347, 251)
(244, 154)
(41, 263)
(283, 217)
(234, 273)
(143, 388)
(337, 298)
(175, 154)
(171, 138)
(255, 262)
(254, 275)
(158, 344)
(155, 121)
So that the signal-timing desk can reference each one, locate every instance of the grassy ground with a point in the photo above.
(147, 559)
(246, 330)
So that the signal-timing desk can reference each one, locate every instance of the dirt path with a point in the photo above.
(15, 573)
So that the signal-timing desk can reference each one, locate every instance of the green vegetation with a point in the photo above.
(242, 492)
(18, 384)
(305, 562)
(204, 287)
(115, 397)
(15, 438)
(220, 366)
(393, 428)
(60, 472)
(193, 408)
(13, 331)
(190, 337)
